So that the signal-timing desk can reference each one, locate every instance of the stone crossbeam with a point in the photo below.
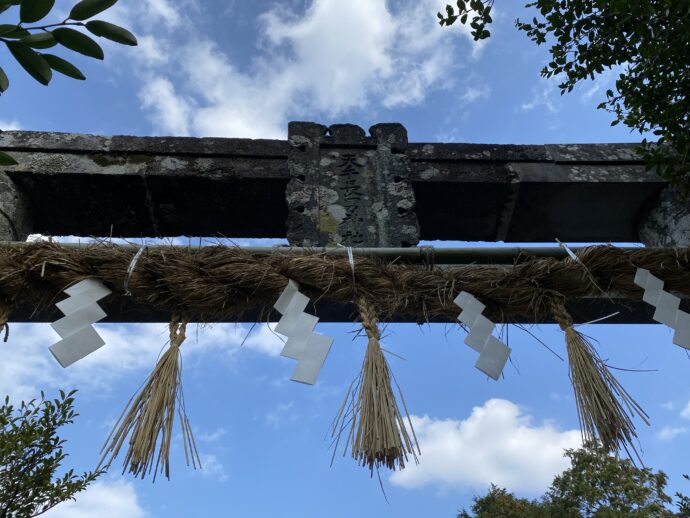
(71, 184)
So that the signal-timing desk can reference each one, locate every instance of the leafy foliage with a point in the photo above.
(21, 41)
(596, 485)
(31, 453)
(649, 40)
(481, 16)
(500, 503)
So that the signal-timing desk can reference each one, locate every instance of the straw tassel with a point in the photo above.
(5, 312)
(378, 433)
(604, 407)
(150, 414)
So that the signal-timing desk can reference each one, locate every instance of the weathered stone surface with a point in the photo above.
(78, 142)
(171, 186)
(16, 221)
(350, 189)
(667, 222)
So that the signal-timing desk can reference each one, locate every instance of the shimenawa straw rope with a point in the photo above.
(378, 433)
(220, 283)
(604, 407)
(150, 414)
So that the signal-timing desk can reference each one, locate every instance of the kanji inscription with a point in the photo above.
(350, 189)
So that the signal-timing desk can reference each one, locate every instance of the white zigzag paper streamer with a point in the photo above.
(303, 344)
(493, 354)
(79, 338)
(667, 306)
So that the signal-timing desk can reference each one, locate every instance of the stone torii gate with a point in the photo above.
(326, 186)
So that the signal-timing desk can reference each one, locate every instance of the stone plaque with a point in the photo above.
(350, 189)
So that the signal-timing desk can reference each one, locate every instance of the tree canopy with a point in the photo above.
(597, 484)
(645, 42)
(31, 453)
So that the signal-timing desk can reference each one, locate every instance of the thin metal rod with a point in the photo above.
(417, 255)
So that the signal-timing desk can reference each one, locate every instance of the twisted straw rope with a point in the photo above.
(222, 283)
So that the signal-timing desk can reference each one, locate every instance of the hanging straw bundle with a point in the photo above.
(151, 413)
(5, 312)
(604, 407)
(378, 433)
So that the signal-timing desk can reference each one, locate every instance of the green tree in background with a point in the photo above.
(499, 503)
(597, 485)
(27, 42)
(31, 453)
(649, 40)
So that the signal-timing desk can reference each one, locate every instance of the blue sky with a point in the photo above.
(244, 69)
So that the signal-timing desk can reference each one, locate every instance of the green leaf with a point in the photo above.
(64, 67)
(42, 40)
(111, 32)
(4, 81)
(31, 61)
(6, 159)
(17, 33)
(33, 10)
(88, 8)
(5, 5)
(7, 28)
(78, 42)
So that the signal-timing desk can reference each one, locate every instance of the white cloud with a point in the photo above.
(323, 62)
(474, 94)
(149, 15)
(105, 499)
(151, 52)
(668, 433)
(669, 405)
(588, 93)
(161, 10)
(280, 414)
(544, 95)
(597, 87)
(169, 110)
(231, 336)
(496, 444)
(26, 365)
(685, 413)
(213, 468)
(213, 436)
(9, 125)
(21, 366)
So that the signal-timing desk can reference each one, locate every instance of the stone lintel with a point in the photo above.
(170, 186)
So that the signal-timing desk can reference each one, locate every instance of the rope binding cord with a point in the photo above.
(130, 269)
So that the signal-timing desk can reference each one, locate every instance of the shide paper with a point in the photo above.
(79, 338)
(303, 344)
(493, 354)
(666, 306)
